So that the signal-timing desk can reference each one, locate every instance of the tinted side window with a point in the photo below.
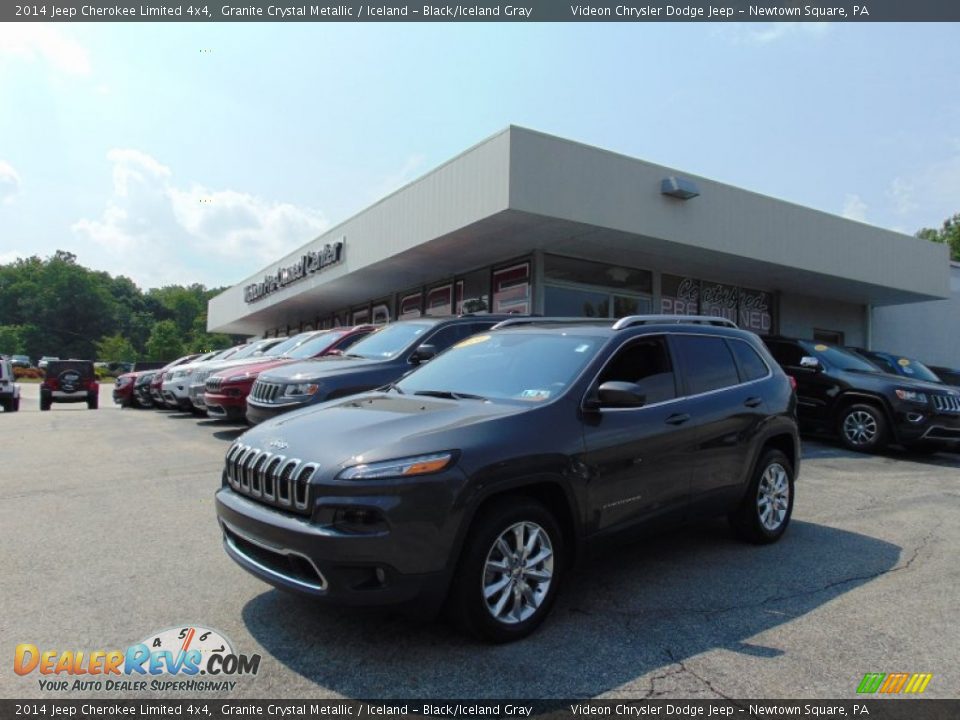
(647, 364)
(752, 366)
(707, 363)
(786, 354)
(445, 337)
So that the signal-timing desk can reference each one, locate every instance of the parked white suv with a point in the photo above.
(9, 390)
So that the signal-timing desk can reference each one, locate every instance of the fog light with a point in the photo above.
(915, 417)
(359, 520)
(381, 576)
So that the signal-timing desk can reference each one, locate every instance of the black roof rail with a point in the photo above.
(631, 320)
(539, 320)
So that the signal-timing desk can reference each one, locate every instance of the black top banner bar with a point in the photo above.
(478, 11)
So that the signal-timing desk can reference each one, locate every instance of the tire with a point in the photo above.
(14, 405)
(862, 428)
(7, 405)
(515, 619)
(766, 508)
(44, 404)
(93, 403)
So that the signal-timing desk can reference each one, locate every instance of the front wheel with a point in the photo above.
(765, 511)
(510, 571)
(862, 428)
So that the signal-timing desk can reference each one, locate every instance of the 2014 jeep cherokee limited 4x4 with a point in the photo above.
(481, 475)
(376, 360)
(848, 395)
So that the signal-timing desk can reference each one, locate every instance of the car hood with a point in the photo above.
(252, 369)
(888, 378)
(375, 426)
(318, 368)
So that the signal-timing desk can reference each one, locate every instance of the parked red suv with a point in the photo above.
(123, 394)
(226, 391)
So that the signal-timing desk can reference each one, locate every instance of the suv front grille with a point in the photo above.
(213, 384)
(266, 392)
(947, 403)
(272, 479)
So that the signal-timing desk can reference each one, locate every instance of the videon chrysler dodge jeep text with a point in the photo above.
(483, 474)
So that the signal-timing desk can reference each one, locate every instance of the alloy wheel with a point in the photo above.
(773, 496)
(517, 573)
(860, 427)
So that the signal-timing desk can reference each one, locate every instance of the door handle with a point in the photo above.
(752, 402)
(678, 419)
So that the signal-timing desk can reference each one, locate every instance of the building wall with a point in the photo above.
(801, 315)
(929, 331)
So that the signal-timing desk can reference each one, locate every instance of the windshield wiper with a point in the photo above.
(354, 355)
(450, 395)
(392, 386)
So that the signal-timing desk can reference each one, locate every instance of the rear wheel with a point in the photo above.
(44, 403)
(93, 402)
(7, 405)
(862, 428)
(765, 511)
(14, 405)
(510, 571)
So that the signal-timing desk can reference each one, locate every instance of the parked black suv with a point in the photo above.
(376, 360)
(842, 393)
(481, 475)
(70, 381)
(898, 365)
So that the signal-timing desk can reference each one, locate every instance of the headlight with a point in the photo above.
(402, 467)
(238, 378)
(300, 389)
(912, 396)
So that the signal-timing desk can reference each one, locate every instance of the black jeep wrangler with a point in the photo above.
(70, 381)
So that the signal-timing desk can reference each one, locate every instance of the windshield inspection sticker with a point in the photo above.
(535, 395)
(903, 362)
(819, 348)
(472, 341)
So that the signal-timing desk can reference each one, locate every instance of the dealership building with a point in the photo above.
(526, 222)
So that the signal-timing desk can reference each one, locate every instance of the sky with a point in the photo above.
(180, 153)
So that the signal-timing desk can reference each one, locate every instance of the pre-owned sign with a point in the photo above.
(312, 261)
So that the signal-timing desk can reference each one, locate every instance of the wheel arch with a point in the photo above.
(854, 397)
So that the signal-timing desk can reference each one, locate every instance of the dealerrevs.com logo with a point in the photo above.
(188, 658)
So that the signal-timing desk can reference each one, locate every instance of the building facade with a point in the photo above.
(527, 222)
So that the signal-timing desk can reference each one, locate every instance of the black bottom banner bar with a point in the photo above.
(872, 709)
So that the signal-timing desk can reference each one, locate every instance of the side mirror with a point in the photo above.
(809, 362)
(615, 393)
(423, 353)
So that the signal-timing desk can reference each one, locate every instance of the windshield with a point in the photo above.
(288, 344)
(247, 350)
(839, 358)
(505, 366)
(315, 345)
(904, 366)
(390, 341)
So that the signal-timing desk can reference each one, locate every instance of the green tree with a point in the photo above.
(10, 340)
(164, 342)
(116, 348)
(948, 234)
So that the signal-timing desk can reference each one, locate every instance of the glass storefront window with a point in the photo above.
(473, 293)
(679, 295)
(586, 272)
(570, 302)
(381, 312)
(624, 305)
(511, 289)
(756, 311)
(361, 316)
(410, 306)
(720, 300)
(440, 300)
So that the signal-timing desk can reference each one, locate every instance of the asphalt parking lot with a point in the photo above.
(108, 533)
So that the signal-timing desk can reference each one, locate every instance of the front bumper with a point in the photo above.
(123, 396)
(225, 407)
(920, 425)
(258, 413)
(408, 562)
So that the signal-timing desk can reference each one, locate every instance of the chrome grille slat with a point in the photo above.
(947, 403)
(276, 480)
(266, 392)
